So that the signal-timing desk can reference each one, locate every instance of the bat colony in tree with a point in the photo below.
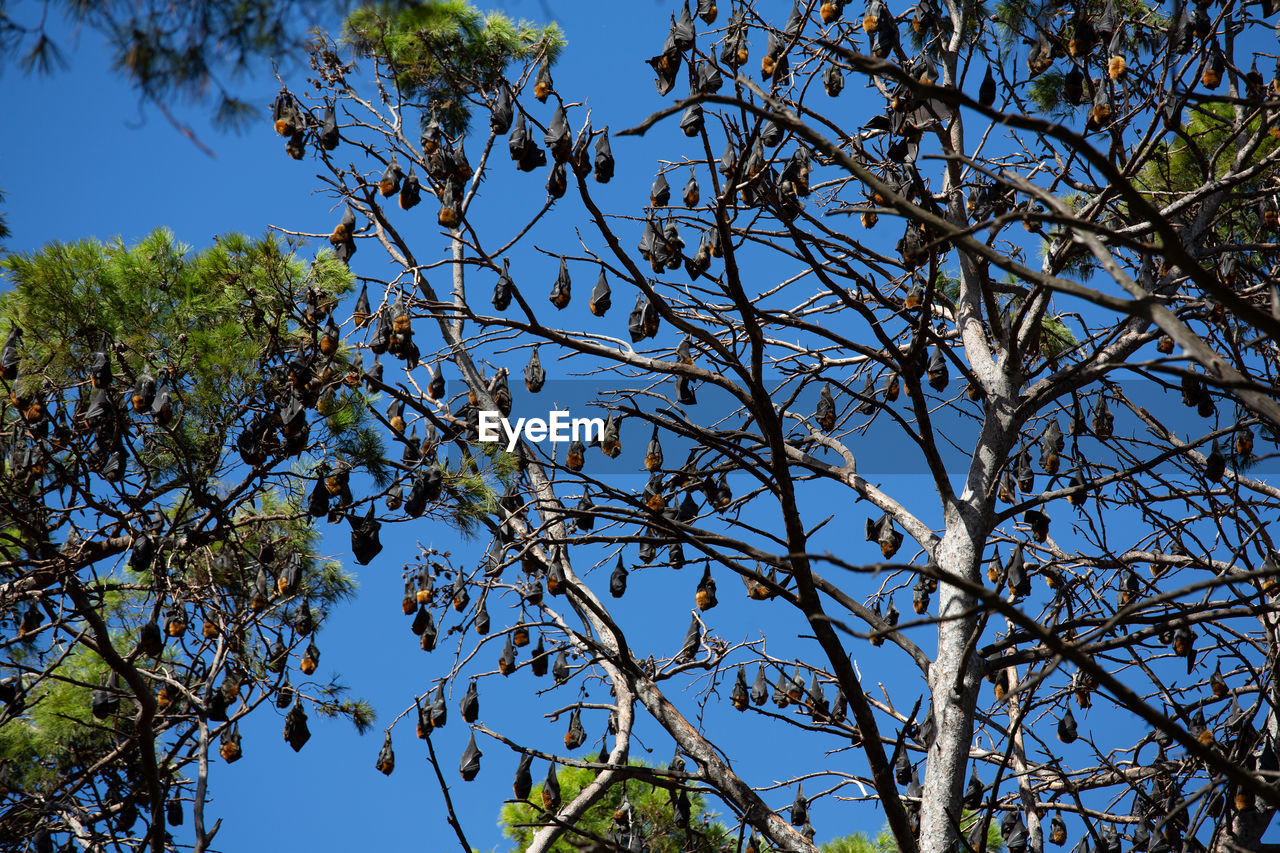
(986, 231)
(158, 578)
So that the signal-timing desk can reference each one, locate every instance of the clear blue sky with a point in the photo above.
(79, 158)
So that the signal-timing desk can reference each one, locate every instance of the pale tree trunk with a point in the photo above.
(953, 682)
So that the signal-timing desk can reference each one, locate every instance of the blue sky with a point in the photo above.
(98, 165)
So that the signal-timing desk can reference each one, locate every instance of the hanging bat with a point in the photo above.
(618, 580)
(410, 191)
(557, 181)
(1215, 464)
(705, 596)
(296, 732)
(470, 705)
(389, 183)
(507, 660)
(739, 696)
(501, 112)
(365, 544)
(542, 86)
(1067, 731)
(560, 291)
(1117, 65)
(1038, 522)
(601, 296)
(150, 638)
(328, 135)
(579, 159)
(386, 762)
(523, 782)
(10, 358)
(175, 624)
(429, 633)
(504, 288)
(653, 453)
(691, 121)
(576, 735)
(539, 660)
(229, 747)
(551, 790)
(310, 658)
(285, 114)
(469, 764)
(799, 808)
(692, 641)
(604, 163)
(557, 136)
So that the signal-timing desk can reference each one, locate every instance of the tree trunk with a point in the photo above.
(959, 553)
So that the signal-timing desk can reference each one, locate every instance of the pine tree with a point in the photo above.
(157, 562)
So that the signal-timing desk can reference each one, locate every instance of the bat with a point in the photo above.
(604, 163)
(705, 596)
(560, 291)
(1067, 731)
(386, 762)
(601, 296)
(328, 135)
(618, 579)
(799, 808)
(229, 745)
(542, 86)
(557, 136)
(738, 696)
(469, 764)
(504, 288)
(296, 732)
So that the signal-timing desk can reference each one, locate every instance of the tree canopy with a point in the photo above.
(443, 51)
(1028, 252)
(917, 269)
(640, 815)
(155, 564)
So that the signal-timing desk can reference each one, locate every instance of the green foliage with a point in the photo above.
(860, 842)
(1205, 149)
(475, 485)
(443, 50)
(1024, 20)
(1055, 338)
(948, 285)
(1013, 17)
(359, 711)
(283, 522)
(220, 321)
(1027, 17)
(58, 727)
(475, 498)
(653, 815)
(356, 439)
(1046, 93)
(213, 319)
(505, 466)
